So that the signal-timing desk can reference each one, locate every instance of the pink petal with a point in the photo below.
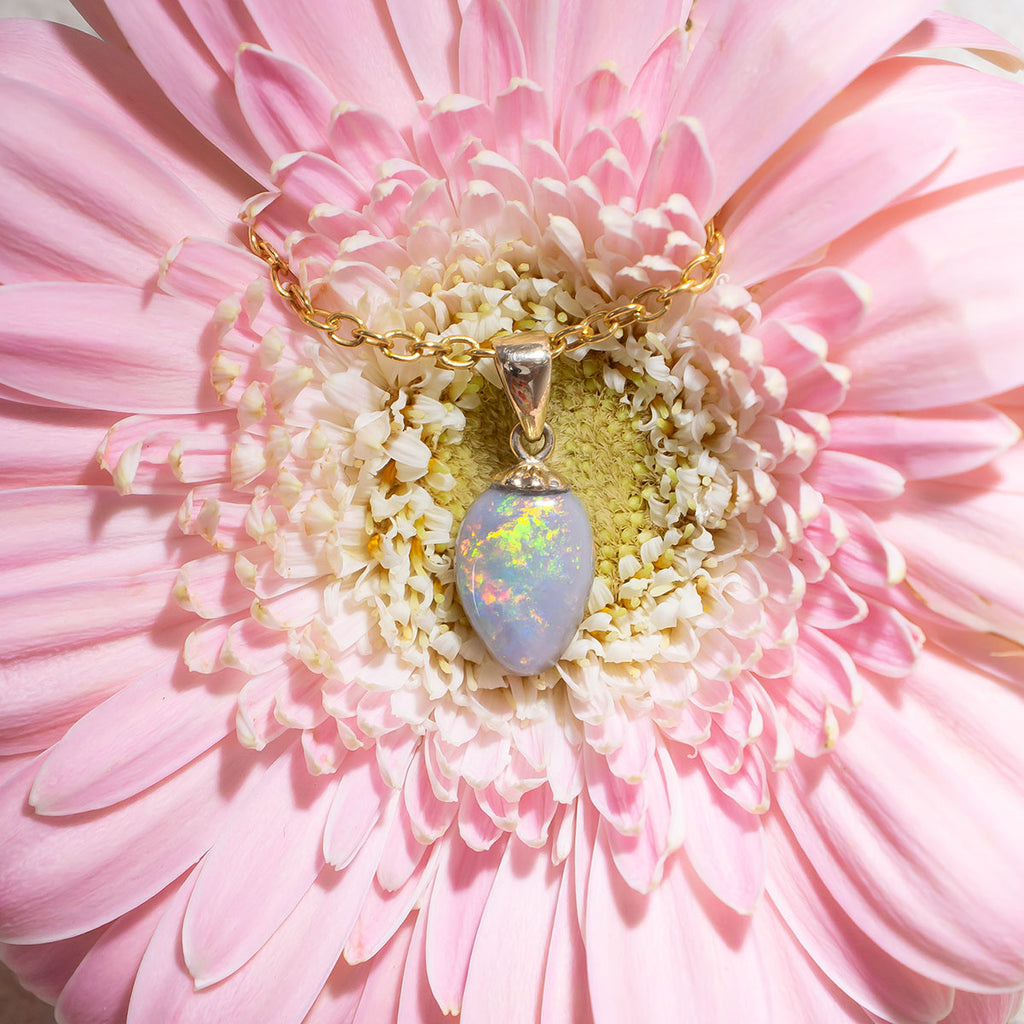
(717, 79)
(428, 37)
(382, 993)
(361, 141)
(453, 914)
(43, 446)
(358, 802)
(596, 101)
(337, 51)
(828, 183)
(642, 962)
(45, 693)
(930, 443)
(108, 367)
(164, 989)
(287, 109)
(44, 969)
(490, 50)
(955, 540)
(681, 163)
(82, 614)
(654, 88)
(222, 27)
(876, 980)
(62, 535)
(174, 55)
(971, 1008)
(873, 821)
(280, 826)
(854, 477)
(141, 735)
(100, 989)
(519, 914)
(585, 35)
(566, 996)
(986, 109)
(383, 913)
(826, 300)
(74, 220)
(66, 876)
(919, 347)
(798, 991)
(941, 30)
(416, 1003)
(62, 61)
(723, 841)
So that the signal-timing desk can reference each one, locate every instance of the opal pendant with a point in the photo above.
(524, 557)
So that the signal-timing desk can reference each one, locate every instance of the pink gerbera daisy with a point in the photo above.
(256, 765)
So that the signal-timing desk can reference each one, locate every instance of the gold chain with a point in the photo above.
(459, 351)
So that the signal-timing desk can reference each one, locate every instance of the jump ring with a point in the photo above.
(516, 443)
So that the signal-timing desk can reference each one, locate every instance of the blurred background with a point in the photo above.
(1003, 16)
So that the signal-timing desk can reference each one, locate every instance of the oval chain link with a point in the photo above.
(459, 351)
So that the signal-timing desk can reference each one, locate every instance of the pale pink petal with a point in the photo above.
(680, 163)
(45, 693)
(955, 540)
(566, 995)
(280, 823)
(716, 81)
(154, 726)
(840, 474)
(358, 802)
(595, 101)
(382, 992)
(100, 989)
(61, 60)
(971, 1008)
(723, 842)
(416, 1001)
(44, 969)
(827, 301)
(798, 991)
(453, 914)
(74, 220)
(930, 443)
(873, 821)
(490, 50)
(986, 109)
(174, 55)
(384, 912)
(46, 447)
(920, 345)
(164, 989)
(353, 51)
(54, 535)
(287, 108)
(654, 89)
(222, 28)
(81, 614)
(825, 185)
(941, 30)
(61, 879)
(641, 964)
(519, 913)
(108, 368)
(874, 978)
(590, 34)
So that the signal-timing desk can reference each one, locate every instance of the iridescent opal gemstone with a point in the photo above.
(524, 565)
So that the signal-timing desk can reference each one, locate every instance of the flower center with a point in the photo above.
(602, 451)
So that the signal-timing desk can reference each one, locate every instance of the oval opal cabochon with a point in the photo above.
(524, 566)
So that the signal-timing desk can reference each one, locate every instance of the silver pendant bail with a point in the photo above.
(524, 366)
